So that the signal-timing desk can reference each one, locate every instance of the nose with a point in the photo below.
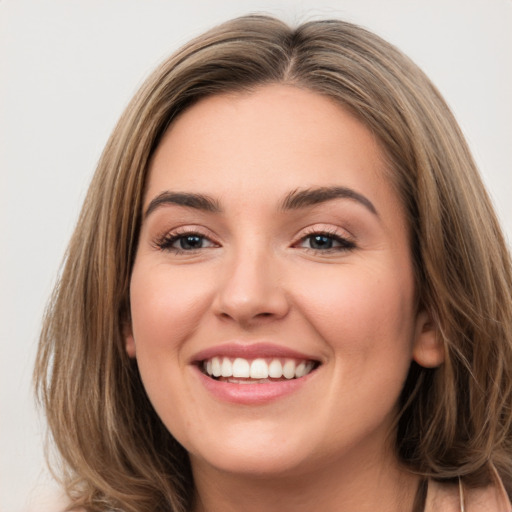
(251, 290)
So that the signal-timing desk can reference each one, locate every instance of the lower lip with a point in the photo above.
(251, 394)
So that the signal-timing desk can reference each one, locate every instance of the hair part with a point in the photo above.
(455, 420)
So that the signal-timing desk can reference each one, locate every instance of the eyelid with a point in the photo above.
(327, 229)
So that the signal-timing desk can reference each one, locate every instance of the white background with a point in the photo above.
(67, 70)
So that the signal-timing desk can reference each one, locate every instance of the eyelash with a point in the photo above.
(345, 244)
(166, 242)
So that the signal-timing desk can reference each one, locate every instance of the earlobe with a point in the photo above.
(129, 341)
(428, 350)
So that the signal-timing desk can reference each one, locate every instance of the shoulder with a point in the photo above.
(451, 498)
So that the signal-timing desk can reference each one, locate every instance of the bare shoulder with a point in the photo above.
(452, 498)
(488, 499)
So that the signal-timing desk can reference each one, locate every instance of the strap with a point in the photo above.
(461, 497)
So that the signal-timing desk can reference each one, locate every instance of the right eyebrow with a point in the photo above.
(196, 201)
(312, 196)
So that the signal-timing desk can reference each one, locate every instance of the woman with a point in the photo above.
(287, 290)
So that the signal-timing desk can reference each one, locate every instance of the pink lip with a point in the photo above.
(250, 394)
(251, 351)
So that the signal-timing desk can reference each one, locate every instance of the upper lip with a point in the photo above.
(251, 351)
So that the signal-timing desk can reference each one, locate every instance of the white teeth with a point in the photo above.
(300, 371)
(258, 369)
(216, 367)
(241, 368)
(275, 369)
(289, 369)
(226, 368)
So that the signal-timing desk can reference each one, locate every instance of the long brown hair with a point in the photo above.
(454, 421)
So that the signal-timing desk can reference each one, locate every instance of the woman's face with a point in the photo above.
(273, 246)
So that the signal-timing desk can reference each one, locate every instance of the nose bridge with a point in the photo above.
(251, 289)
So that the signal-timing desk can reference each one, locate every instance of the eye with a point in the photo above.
(190, 242)
(184, 242)
(324, 242)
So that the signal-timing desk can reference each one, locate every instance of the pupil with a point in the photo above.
(321, 242)
(191, 242)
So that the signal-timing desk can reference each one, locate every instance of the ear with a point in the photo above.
(428, 349)
(129, 340)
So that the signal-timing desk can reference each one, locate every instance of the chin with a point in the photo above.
(255, 465)
(253, 452)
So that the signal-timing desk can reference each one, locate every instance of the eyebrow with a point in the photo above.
(190, 200)
(301, 198)
(296, 199)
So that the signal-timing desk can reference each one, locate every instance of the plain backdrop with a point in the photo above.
(67, 70)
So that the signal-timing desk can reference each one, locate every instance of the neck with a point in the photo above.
(338, 487)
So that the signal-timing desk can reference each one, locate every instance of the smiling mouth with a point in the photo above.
(259, 370)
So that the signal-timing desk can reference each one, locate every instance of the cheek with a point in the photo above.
(366, 313)
(165, 306)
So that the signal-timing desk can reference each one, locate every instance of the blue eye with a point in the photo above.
(321, 242)
(184, 242)
(189, 242)
(326, 242)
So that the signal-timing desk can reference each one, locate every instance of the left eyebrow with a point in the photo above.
(187, 199)
(301, 198)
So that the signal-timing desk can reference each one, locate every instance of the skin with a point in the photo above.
(255, 277)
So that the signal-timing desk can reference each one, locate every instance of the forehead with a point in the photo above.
(268, 141)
